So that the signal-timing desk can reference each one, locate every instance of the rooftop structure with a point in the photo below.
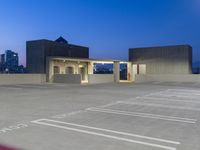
(38, 50)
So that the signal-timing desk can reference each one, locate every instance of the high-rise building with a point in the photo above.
(11, 61)
(2, 62)
(2, 58)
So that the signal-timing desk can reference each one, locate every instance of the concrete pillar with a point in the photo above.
(90, 68)
(116, 71)
(76, 69)
(130, 71)
(49, 70)
(62, 67)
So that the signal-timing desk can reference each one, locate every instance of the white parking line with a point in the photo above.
(176, 95)
(107, 105)
(181, 94)
(85, 130)
(158, 105)
(10, 88)
(13, 127)
(32, 86)
(184, 90)
(171, 100)
(145, 115)
(60, 116)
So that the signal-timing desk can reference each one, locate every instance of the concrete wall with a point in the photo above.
(67, 78)
(63, 65)
(100, 78)
(35, 56)
(168, 78)
(6, 79)
(164, 60)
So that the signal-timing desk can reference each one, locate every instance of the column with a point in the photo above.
(130, 71)
(90, 67)
(116, 71)
(76, 68)
(49, 70)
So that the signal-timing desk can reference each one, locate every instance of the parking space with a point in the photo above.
(107, 116)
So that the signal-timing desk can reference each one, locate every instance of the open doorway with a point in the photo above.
(69, 70)
(56, 70)
(83, 73)
(123, 71)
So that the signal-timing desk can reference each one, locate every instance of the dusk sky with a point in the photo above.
(107, 27)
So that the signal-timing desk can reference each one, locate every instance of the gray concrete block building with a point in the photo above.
(37, 51)
(162, 60)
(62, 62)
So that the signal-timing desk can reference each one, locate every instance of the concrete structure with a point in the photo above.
(99, 78)
(37, 51)
(67, 78)
(66, 63)
(65, 70)
(9, 79)
(186, 78)
(162, 60)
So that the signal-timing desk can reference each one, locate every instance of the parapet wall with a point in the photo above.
(67, 78)
(9, 79)
(168, 78)
(100, 78)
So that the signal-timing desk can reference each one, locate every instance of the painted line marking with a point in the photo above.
(167, 99)
(138, 97)
(108, 105)
(184, 90)
(180, 94)
(41, 122)
(60, 116)
(184, 93)
(158, 105)
(106, 130)
(31, 86)
(175, 95)
(11, 88)
(13, 127)
(145, 115)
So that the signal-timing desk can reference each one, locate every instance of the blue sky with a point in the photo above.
(107, 27)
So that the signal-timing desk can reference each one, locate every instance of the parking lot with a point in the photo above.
(127, 116)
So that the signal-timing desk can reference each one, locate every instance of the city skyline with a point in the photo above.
(108, 28)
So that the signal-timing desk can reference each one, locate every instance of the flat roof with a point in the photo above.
(164, 46)
(85, 59)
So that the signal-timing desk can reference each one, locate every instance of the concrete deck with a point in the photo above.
(150, 116)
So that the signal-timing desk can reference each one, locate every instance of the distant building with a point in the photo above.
(11, 61)
(37, 52)
(2, 62)
(21, 69)
(2, 58)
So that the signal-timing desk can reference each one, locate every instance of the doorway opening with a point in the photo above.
(56, 70)
(69, 70)
(83, 73)
(123, 71)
